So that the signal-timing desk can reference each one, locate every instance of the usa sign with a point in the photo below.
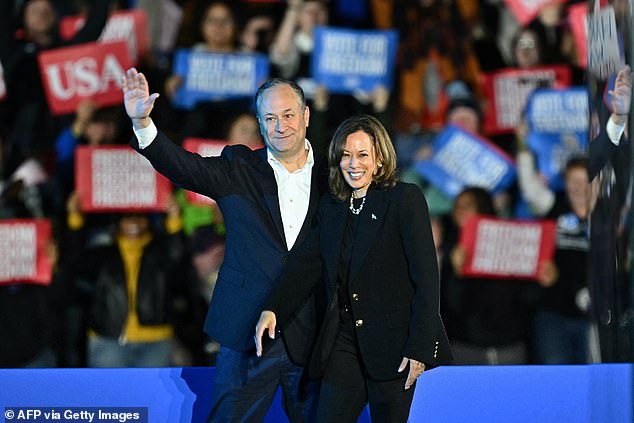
(91, 70)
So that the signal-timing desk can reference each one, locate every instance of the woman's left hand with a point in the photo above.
(416, 368)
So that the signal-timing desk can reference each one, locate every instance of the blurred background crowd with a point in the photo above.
(132, 289)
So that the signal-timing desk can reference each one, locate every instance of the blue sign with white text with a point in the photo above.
(215, 76)
(348, 60)
(462, 159)
(558, 129)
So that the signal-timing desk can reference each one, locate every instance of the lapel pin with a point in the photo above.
(373, 216)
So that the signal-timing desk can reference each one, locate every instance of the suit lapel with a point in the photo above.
(370, 221)
(334, 217)
(317, 189)
(269, 189)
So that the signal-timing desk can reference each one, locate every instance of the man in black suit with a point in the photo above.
(268, 198)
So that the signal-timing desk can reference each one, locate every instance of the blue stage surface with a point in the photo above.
(509, 394)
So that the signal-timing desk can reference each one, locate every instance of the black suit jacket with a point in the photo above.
(393, 282)
(243, 184)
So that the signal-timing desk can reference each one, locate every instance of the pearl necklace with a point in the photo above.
(352, 209)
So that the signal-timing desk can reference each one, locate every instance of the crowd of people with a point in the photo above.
(132, 289)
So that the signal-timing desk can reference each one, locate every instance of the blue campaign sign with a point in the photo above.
(558, 129)
(462, 159)
(348, 60)
(215, 76)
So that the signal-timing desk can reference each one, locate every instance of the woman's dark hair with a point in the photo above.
(386, 174)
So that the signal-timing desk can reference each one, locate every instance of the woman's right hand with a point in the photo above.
(267, 322)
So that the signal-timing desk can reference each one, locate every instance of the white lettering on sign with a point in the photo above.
(121, 28)
(557, 112)
(468, 161)
(122, 179)
(511, 92)
(604, 57)
(220, 73)
(18, 251)
(507, 248)
(83, 77)
(347, 53)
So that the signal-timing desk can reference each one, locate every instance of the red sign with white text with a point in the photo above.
(205, 148)
(91, 70)
(508, 89)
(129, 26)
(117, 178)
(527, 10)
(23, 255)
(505, 248)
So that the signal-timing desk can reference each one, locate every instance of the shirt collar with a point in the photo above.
(310, 160)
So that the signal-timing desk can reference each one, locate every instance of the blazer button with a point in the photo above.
(355, 297)
(359, 323)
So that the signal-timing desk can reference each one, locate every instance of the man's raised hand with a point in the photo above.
(136, 97)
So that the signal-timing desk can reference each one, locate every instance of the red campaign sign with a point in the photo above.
(506, 248)
(508, 89)
(117, 178)
(3, 87)
(23, 255)
(129, 26)
(526, 10)
(91, 70)
(577, 14)
(205, 148)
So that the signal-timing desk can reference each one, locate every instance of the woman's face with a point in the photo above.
(358, 162)
(39, 17)
(312, 13)
(258, 33)
(464, 207)
(527, 50)
(218, 27)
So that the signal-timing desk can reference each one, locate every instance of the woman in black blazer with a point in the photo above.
(382, 326)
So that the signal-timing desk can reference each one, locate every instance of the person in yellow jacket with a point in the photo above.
(132, 280)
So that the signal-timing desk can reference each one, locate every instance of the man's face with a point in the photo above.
(282, 121)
